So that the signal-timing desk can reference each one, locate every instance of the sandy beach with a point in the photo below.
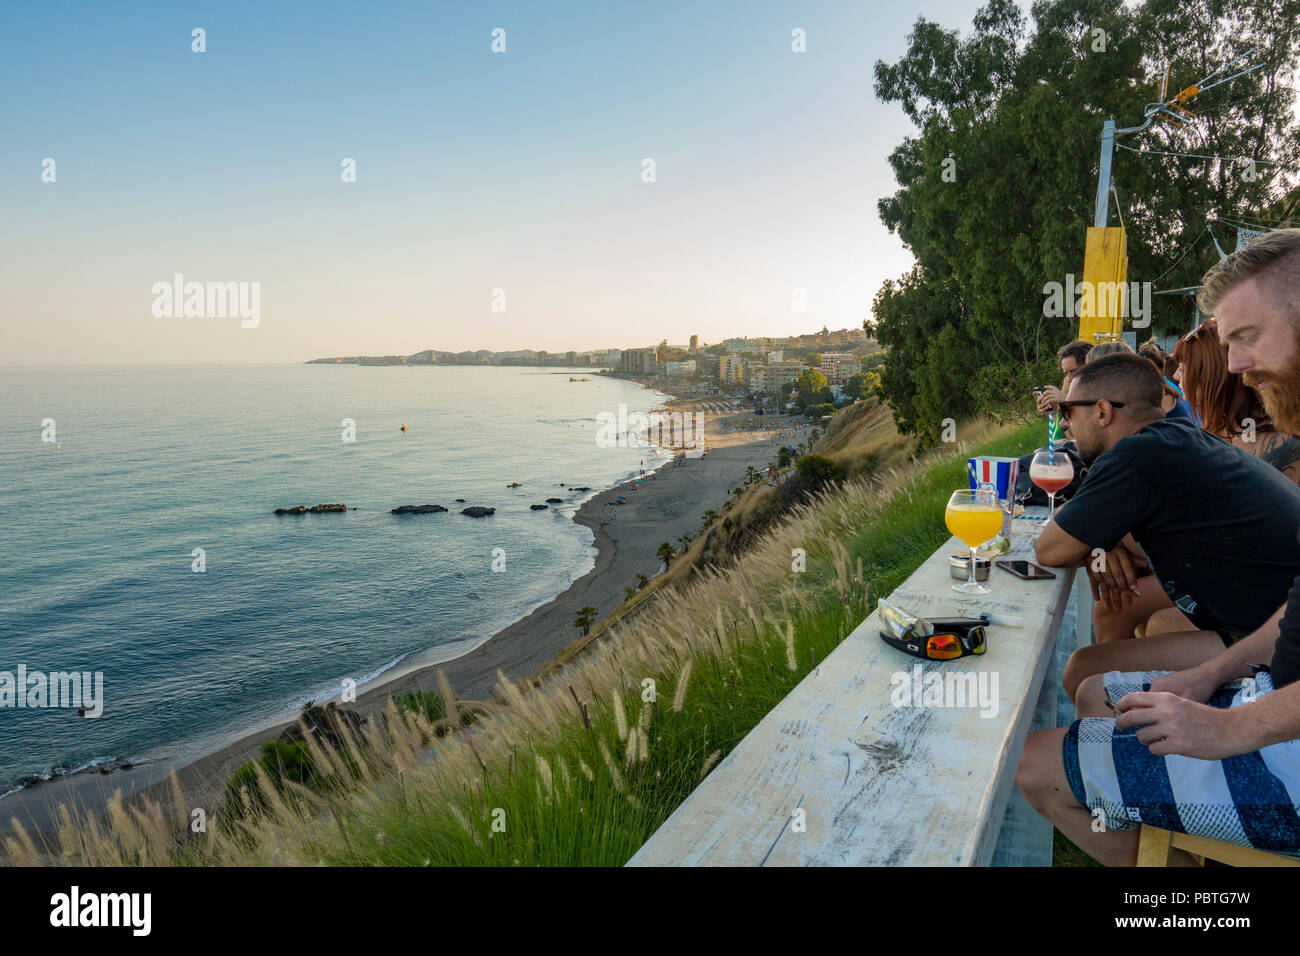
(659, 508)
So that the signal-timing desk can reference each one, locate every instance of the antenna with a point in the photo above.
(1171, 110)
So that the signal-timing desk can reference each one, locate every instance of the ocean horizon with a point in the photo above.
(121, 481)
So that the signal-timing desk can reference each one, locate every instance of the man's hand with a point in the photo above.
(1196, 684)
(1114, 600)
(1170, 724)
(1048, 398)
(1115, 582)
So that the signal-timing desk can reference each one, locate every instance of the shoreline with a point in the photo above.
(666, 503)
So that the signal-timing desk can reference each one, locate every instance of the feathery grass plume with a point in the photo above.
(566, 781)
(323, 755)
(790, 660)
(449, 699)
(708, 764)
(620, 718)
(460, 818)
(544, 771)
(509, 691)
(586, 771)
(29, 853)
(679, 698)
(159, 836)
(277, 809)
(613, 767)
(633, 737)
(70, 835)
(182, 811)
(644, 720)
(721, 630)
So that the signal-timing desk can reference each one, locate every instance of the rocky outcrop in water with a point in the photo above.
(554, 501)
(417, 510)
(314, 509)
(476, 512)
(539, 507)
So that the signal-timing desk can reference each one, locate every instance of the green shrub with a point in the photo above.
(427, 704)
(816, 470)
(281, 761)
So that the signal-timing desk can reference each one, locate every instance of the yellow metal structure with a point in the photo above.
(1105, 272)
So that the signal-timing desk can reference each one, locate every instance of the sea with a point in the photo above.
(138, 539)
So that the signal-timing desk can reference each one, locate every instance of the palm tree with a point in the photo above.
(666, 552)
(586, 617)
(641, 581)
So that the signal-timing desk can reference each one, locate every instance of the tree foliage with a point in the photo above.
(997, 187)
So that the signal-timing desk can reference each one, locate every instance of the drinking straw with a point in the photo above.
(1051, 430)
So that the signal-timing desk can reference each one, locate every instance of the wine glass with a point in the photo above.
(974, 517)
(1051, 470)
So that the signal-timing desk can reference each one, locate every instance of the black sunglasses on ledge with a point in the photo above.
(1067, 405)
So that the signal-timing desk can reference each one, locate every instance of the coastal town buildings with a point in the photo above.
(838, 367)
(743, 346)
(770, 376)
(731, 370)
(638, 362)
(679, 369)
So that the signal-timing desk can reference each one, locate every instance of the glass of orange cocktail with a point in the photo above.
(974, 517)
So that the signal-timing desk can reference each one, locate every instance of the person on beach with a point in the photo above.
(1189, 751)
(1215, 527)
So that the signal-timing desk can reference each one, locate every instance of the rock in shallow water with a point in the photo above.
(477, 512)
(417, 510)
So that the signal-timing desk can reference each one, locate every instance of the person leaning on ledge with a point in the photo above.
(1189, 751)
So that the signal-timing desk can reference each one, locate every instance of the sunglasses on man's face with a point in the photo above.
(1066, 406)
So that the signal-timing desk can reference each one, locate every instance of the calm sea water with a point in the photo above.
(152, 463)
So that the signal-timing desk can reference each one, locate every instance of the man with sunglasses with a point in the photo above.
(1188, 751)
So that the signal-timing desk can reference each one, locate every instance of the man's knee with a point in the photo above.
(1083, 663)
(1090, 698)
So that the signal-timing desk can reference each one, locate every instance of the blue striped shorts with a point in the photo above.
(1251, 799)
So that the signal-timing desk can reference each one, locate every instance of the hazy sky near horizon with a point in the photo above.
(475, 171)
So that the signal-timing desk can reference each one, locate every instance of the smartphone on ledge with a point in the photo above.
(1026, 569)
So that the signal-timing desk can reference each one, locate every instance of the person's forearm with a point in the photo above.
(1257, 648)
(1270, 720)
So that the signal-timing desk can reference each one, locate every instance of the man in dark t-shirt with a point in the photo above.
(1217, 527)
(1212, 750)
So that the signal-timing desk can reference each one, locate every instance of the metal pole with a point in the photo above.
(1103, 177)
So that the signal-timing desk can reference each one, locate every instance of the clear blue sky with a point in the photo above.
(475, 171)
